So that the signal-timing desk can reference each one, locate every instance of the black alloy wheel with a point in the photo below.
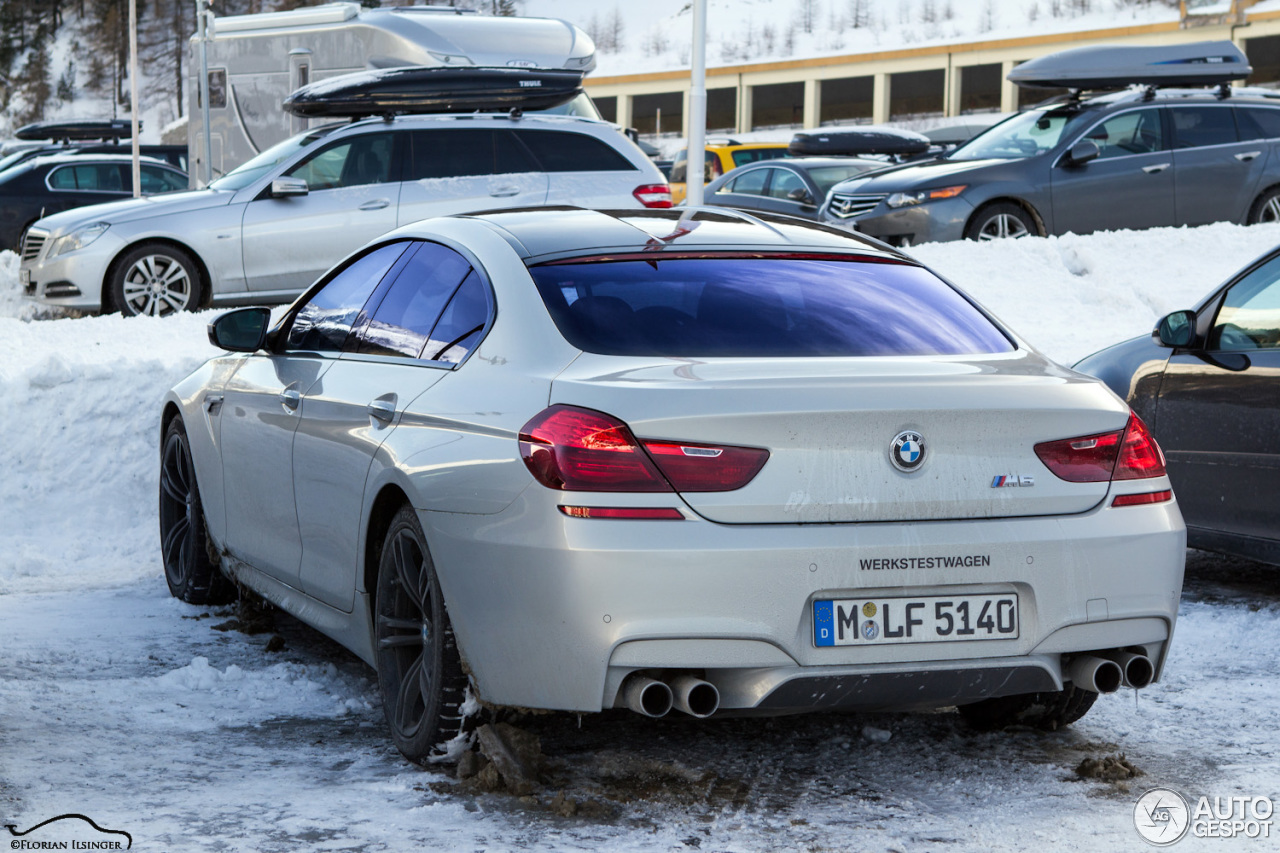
(191, 574)
(419, 669)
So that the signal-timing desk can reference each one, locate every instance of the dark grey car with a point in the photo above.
(1123, 160)
(795, 186)
(1207, 382)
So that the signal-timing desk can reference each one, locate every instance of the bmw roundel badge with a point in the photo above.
(907, 451)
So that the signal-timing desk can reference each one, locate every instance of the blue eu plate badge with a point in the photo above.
(824, 627)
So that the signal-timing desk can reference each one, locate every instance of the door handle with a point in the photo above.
(382, 410)
(505, 192)
(1246, 156)
(1156, 168)
(375, 204)
(291, 397)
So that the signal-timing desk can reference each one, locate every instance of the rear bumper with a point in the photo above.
(554, 612)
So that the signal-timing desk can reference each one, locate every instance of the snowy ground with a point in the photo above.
(120, 703)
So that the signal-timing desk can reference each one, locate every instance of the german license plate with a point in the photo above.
(930, 619)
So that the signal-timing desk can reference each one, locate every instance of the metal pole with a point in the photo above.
(134, 106)
(202, 35)
(697, 106)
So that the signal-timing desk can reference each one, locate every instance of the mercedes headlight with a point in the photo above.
(908, 199)
(79, 238)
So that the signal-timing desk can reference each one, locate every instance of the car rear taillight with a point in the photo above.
(1128, 454)
(705, 467)
(653, 195)
(582, 450)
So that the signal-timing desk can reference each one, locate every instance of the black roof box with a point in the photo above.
(855, 142)
(1204, 63)
(77, 130)
(423, 89)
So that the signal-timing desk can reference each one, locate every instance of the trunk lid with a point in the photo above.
(829, 423)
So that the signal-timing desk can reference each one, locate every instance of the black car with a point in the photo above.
(1207, 382)
(796, 186)
(46, 185)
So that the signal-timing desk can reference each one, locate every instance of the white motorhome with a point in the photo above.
(255, 61)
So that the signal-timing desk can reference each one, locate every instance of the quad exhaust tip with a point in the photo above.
(1099, 675)
(647, 696)
(1138, 670)
(695, 697)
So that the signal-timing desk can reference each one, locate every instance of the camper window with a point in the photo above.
(217, 89)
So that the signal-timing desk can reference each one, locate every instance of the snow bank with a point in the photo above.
(79, 398)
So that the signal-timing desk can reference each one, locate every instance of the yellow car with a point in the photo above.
(721, 158)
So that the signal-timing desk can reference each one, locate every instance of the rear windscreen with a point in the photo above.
(761, 306)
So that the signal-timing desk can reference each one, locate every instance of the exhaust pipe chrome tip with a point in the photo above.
(1095, 674)
(695, 697)
(647, 696)
(1138, 669)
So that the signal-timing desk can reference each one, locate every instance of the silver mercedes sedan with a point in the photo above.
(705, 461)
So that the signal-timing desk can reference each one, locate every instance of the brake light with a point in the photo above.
(653, 195)
(1140, 456)
(582, 450)
(1128, 454)
(705, 467)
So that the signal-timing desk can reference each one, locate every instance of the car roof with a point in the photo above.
(83, 159)
(546, 233)
(469, 119)
(1137, 95)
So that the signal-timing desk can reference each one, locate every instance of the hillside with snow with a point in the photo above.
(656, 35)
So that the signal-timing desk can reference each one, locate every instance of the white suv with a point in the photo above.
(265, 231)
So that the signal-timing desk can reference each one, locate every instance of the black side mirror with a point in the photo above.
(1082, 152)
(1176, 330)
(801, 195)
(244, 330)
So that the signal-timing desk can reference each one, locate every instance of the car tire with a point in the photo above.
(1049, 711)
(155, 279)
(1001, 221)
(420, 672)
(192, 572)
(1266, 208)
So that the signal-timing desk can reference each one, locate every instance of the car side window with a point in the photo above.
(461, 153)
(100, 177)
(1137, 132)
(402, 322)
(1258, 123)
(462, 322)
(349, 163)
(324, 321)
(1250, 314)
(679, 165)
(1197, 126)
(564, 151)
(784, 183)
(157, 180)
(750, 183)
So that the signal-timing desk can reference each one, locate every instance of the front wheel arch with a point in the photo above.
(206, 280)
(1037, 220)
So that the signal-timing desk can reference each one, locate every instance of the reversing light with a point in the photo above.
(706, 468)
(653, 195)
